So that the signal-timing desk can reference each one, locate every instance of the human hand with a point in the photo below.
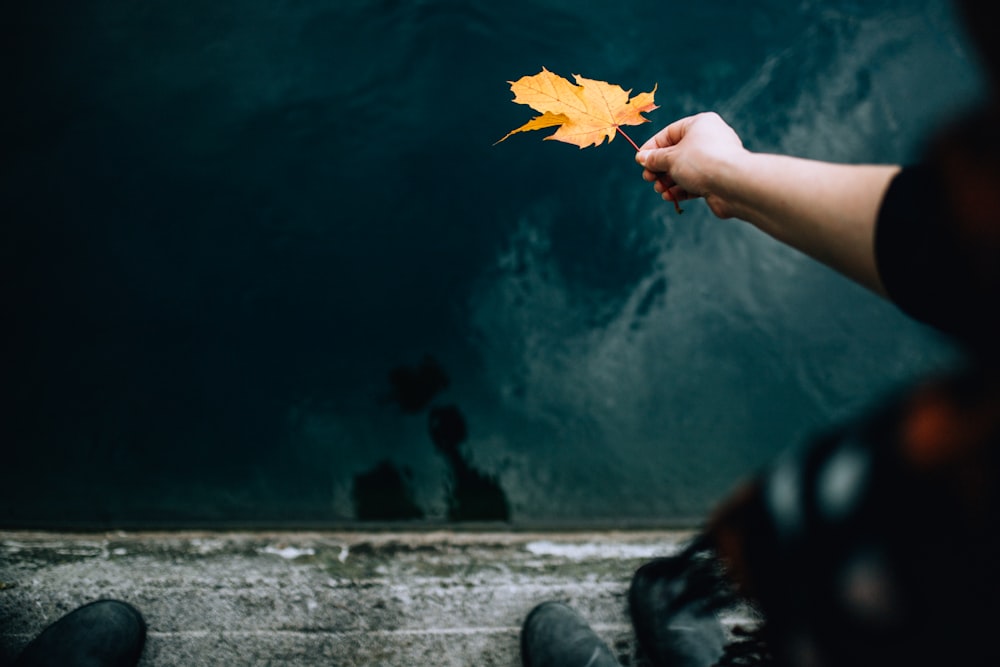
(685, 159)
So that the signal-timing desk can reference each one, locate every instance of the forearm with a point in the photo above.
(828, 211)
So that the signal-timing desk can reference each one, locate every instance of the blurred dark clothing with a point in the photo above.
(937, 241)
(879, 543)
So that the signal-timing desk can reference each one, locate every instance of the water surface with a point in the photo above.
(232, 228)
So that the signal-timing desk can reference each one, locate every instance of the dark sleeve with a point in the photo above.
(919, 258)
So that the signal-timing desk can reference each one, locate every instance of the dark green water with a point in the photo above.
(234, 231)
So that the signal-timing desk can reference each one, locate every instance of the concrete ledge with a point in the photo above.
(326, 598)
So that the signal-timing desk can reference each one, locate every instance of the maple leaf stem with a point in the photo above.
(627, 138)
(677, 205)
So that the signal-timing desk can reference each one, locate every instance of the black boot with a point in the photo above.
(103, 633)
(674, 604)
(554, 635)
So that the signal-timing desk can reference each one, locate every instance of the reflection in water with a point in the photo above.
(384, 493)
(206, 267)
(414, 388)
(472, 495)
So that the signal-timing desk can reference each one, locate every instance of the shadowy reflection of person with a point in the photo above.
(473, 496)
(384, 494)
(414, 388)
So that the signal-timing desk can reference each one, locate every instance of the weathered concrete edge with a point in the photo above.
(387, 534)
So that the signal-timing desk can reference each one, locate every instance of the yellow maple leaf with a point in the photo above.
(586, 112)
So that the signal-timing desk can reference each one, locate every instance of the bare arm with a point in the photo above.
(825, 210)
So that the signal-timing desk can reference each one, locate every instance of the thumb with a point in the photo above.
(656, 160)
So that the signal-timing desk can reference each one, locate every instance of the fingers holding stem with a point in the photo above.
(663, 185)
(669, 190)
